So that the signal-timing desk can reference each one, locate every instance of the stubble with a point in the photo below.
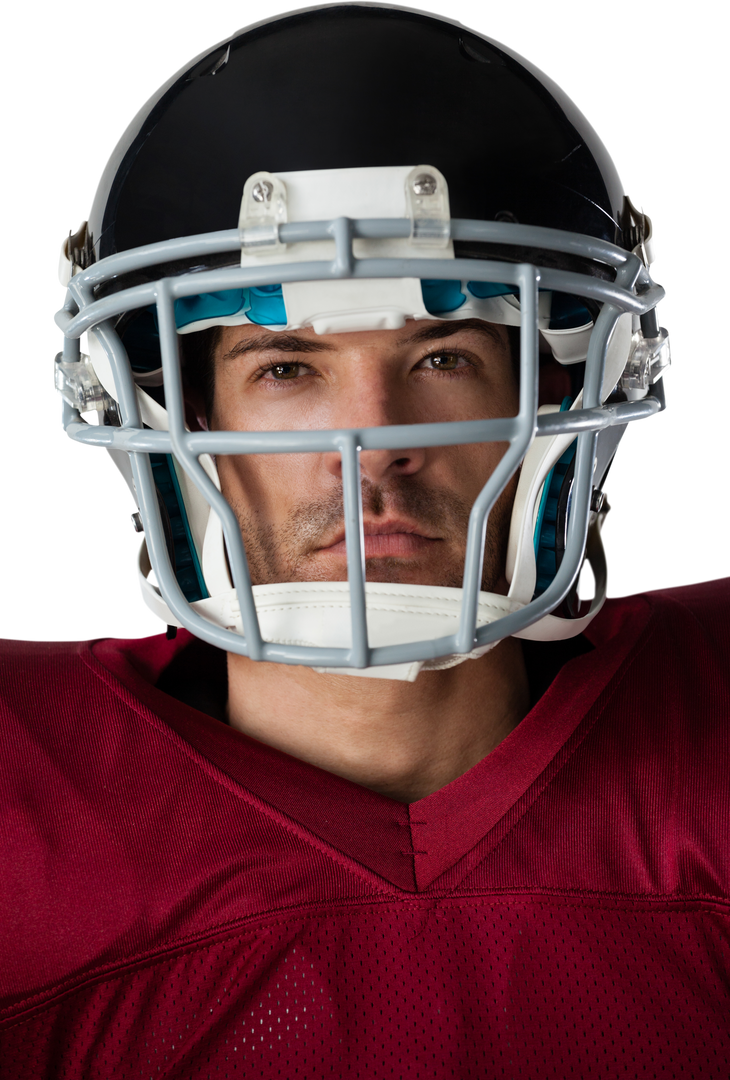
(288, 552)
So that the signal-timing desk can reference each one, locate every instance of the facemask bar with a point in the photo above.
(632, 291)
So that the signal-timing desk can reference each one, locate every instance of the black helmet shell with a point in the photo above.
(348, 86)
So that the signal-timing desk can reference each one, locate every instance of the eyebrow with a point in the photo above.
(439, 330)
(277, 342)
(292, 343)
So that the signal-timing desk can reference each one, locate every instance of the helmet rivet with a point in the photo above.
(137, 522)
(262, 191)
(425, 184)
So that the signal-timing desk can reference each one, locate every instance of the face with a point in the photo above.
(416, 502)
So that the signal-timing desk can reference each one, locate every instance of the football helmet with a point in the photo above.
(348, 168)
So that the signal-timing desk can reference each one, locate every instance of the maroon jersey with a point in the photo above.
(181, 901)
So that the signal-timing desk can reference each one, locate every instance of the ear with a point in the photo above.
(195, 416)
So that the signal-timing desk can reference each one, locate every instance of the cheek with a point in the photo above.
(268, 485)
(264, 484)
(240, 405)
(472, 465)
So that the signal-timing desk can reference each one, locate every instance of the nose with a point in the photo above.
(380, 465)
(377, 411)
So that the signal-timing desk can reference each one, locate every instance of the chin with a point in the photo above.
(396, 573)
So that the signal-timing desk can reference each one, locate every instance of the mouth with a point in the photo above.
(385, 539)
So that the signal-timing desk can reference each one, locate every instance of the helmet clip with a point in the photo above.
(427, 205)
(263, 210)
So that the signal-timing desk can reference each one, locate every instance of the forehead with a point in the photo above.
(235, 341)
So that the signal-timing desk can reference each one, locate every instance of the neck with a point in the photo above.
(404, 740)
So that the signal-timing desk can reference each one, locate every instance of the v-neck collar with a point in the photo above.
(410, 846)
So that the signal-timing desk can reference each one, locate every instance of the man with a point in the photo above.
(416, 510)
(500, 848)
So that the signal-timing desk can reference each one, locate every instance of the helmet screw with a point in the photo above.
(425, 184)
(598, 498)
(262, 191)
(137, 522)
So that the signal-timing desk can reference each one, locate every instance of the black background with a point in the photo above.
(650, 89)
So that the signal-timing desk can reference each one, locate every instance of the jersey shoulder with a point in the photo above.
(695, 616)
(707, 599)
(699, 612)
(32, 672)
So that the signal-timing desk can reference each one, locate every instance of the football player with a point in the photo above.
(361, 312)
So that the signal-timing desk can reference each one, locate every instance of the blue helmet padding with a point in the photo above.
(484, 289)
(183, 555)
(545, 535)
(264, 304)
(442, 295)
(568, 312)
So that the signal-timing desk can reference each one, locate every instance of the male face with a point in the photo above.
(416, 502)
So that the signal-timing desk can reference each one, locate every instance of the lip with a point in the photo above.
(393, 538)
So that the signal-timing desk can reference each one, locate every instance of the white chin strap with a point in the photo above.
(318, 614)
